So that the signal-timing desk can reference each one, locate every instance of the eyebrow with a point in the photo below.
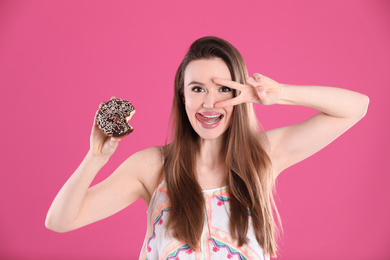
(195, 83)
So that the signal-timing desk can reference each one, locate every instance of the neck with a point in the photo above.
(210, 154)
(210, 164)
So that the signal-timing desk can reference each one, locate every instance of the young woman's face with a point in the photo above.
(201, 94)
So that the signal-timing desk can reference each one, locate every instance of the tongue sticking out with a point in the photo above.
(209, 119)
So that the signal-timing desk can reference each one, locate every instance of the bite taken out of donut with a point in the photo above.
(114, 116)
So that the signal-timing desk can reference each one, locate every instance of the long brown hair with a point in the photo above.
(250, 176)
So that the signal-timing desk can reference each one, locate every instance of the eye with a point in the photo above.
(225, 89)
(197, 89)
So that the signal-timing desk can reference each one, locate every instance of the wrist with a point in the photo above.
(284, 95)
(96, 159)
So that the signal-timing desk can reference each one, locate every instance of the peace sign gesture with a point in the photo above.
(259, 89)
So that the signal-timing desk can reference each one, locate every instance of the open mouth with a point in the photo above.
(209, 119)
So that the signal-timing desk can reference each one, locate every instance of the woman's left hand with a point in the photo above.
(259, 89)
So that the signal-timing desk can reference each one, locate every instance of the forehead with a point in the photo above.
(206, 69)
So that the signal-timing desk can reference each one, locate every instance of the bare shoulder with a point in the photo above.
(147, 167)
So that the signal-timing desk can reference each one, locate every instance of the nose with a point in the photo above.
(209, 100)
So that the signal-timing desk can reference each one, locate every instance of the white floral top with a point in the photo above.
(216, 241)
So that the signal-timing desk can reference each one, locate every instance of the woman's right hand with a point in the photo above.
(102, 145)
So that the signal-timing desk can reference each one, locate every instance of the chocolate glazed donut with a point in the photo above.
(113, 118)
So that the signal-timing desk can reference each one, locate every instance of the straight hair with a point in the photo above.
(250, 174)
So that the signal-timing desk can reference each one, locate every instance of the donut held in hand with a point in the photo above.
(113, 117)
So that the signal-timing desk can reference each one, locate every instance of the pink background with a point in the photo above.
(60, 59)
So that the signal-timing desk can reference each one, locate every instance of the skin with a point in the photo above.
(339, 110)
(201, 94)
(77, 205)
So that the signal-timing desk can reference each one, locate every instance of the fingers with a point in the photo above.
(257, 77)
(256, 83)
(114, 142)
(229, 83)
(229, 103)
(109, 146)
(252, 82)
(261, 93)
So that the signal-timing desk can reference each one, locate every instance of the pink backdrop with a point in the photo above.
(60, 59)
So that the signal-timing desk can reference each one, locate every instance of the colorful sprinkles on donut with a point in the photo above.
(113, 118)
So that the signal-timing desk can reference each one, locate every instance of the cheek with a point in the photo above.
(192, 102)
(229, 113)
(229, 110)
(191, 109)
(230, 96)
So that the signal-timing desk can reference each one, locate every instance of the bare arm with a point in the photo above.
(339, 110)
(77, 204)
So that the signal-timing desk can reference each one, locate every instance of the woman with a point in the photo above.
(209, 191)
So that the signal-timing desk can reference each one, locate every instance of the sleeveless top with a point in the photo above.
(216, 241)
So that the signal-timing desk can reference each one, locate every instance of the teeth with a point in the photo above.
(213, 116)
(210, 122)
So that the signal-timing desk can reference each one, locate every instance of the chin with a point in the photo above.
(210, 134)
